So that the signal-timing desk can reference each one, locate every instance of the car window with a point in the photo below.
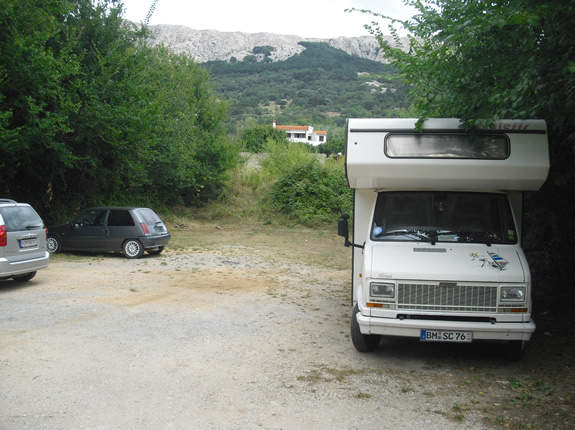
(149, 216)
(20, 218)
(91, 217)
(120, 218)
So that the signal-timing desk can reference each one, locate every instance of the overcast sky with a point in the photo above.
(306, 18)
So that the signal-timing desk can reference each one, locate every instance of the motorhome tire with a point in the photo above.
(362, 342)
(514, 350)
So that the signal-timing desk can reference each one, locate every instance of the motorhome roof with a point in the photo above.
(390, 153)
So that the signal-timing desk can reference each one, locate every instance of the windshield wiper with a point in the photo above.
(33, 227)
(409, 232)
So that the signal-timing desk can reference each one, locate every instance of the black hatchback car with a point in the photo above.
(130, 230)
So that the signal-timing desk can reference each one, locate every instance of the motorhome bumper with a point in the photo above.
(412, 328)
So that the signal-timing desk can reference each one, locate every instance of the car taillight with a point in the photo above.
(46, 231)
(3, 236)
(145, 228)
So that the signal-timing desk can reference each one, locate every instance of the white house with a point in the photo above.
(303, 133)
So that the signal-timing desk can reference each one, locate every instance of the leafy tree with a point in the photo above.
(106, 150)
(89, 114)
(333, 146)
(190, 151)
(489, 60)
(36, 79)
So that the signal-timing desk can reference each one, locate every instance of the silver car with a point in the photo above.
(130, 230)
(22, 241)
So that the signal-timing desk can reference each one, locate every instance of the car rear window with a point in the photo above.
(20, 218)
(120, 218)
(149, 216)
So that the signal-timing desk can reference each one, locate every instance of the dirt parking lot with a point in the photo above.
(247, 328)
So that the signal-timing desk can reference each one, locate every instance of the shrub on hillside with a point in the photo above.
(254, 139)
(312, 193)
(283, 156)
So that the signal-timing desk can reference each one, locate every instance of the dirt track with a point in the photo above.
(227, 337)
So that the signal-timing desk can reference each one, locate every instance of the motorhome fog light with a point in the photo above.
(380, 289)
(512, 294)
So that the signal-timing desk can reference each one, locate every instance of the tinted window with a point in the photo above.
(443, 217)
(486, 147)
(19, 218)
(91, 217)
(120, 218)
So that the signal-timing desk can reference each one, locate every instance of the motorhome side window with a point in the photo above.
(443, 216)
(482, 147)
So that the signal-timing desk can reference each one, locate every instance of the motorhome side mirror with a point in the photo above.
(343, 228)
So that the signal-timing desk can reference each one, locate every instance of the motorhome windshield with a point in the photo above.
(443, 216)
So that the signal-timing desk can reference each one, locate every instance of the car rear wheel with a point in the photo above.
(132, 248)
(53, 245)
(156, 251)
(25, 277)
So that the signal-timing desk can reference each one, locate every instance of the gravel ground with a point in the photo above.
(231, 338)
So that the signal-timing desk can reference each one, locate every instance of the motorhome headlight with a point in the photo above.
(382, 289)
(512, 294)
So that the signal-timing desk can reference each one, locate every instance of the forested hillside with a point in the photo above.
(320, 87)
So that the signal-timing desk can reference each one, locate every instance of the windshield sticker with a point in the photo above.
(493, 260)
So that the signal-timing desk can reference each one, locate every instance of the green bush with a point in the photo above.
(254, 139)
(312, 193)
(282, 156)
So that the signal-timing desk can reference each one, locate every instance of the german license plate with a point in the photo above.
(28, 243)
(446, 336)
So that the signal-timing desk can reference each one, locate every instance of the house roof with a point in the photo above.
(293, 127)
(305, 128)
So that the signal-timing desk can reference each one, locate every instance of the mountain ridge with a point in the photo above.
(214, 45)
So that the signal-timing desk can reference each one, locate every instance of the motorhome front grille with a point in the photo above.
(449, 297)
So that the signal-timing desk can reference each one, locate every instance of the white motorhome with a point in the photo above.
(436, 227)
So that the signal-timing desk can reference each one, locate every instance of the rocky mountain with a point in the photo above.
(212, 45)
